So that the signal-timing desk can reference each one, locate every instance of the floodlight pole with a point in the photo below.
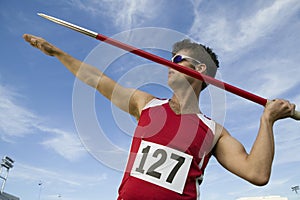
(7, 163)
(40, 189)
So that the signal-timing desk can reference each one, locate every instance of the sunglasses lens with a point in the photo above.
(177, 59)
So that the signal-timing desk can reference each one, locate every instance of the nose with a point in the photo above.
(170, 71)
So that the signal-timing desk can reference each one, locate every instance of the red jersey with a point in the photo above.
(168, 154)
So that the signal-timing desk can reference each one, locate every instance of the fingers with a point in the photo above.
(285, 106)
(288, 107)
(41, 44)
(33, 40)
(29, 37)
(26, 37)
(280, 108)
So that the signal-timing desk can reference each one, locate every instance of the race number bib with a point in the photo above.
(162, 166)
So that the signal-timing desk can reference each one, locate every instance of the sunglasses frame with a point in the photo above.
(184, 57)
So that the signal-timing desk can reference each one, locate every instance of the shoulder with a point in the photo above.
(140, 100)
(222, 131)
(216, 128)
(220, 135)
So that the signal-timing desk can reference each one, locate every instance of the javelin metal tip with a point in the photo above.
(69, 25)
(41, 14)
(46, 16)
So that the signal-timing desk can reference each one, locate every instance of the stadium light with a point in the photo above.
(295, 188)
(7, 163)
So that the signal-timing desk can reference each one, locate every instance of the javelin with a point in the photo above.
(225, 86)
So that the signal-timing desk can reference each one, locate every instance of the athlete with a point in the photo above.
(173, 141)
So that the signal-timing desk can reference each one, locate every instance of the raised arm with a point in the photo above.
(127, 99)
(254, 167)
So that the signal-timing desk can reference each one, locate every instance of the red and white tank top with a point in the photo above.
(168, 154)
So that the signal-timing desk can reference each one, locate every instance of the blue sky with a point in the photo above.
(41, 122)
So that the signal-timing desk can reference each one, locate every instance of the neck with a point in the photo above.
(185, 102)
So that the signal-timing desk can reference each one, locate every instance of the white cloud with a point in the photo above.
(64, 143)
(15, 120)
(29, 173)
(124, 13)
(287, 141)
(54, 182)
(296, 101)
(228, 36)
(275, 81)
(19, 121)
(265, 21)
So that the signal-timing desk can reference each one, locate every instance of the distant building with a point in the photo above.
(5, 196)
(264, 198)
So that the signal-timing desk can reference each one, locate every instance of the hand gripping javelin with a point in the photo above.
(225, 86)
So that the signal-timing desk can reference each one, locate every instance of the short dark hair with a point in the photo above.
(199, 52)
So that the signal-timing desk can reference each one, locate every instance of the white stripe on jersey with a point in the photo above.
(155, 102)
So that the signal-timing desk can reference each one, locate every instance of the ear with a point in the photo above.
(201, 68)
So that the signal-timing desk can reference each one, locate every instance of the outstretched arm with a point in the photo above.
(127, 99)
(254, 167)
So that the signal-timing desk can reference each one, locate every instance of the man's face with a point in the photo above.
(176, 78)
